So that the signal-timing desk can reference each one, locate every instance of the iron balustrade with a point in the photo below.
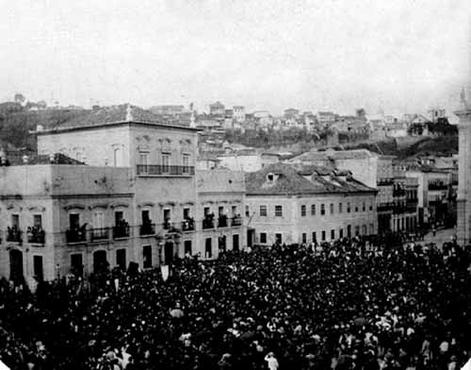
(147, 229)
(13, 234)
(157, 169)
(188, 225)
(222, 221)
(385, 181)
(102, 233)
(208, 223)
(236, 221)
(121, 231)
(35, 234)
(76, 235)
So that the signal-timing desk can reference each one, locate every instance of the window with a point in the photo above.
(340, 207)
(220, 210)
(332, 234)
(187, 245)
(304, 238)
(234, 210)
(363, 230)
(165, 162)
(263, 238)
(372, 229)
(314, 236)
(349, 231)
(247, 211)
(303, 210)
(235, 242)
(15, 221)
(206, 211)
(38, 267)
(98, 220)
(323, 235)
(363, 207)
(356, 207)
(166, 215)
(322, 209)
(313, 209)
(118, 217)
(270, 177)
(340, 233)
(348, 207)
(117, 157)
(208, 248)
(145, 216)
(186, 163)
(121, 258)
(371, 206)
(74, 221)
(278, 238)
(357, 230)
(278, 211)
(147, 256)
(331, 208)
(37, 221)
(143, 159)
(263, 211)
(186, 213)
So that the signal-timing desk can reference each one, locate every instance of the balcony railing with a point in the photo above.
(13, 234)
(99, 234)
(167, 225)
(188, 225)
(75, 235)
(438, 186)
(35, 234)
(121, 231)
(384, 207)
(208, 223)
(147, 229)
(236, 221)
(222, 221)
(385, 181)
(157, 169)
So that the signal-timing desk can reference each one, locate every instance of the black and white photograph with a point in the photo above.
(235, 185)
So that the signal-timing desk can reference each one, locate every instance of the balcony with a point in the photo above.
(188, 225)
(159, 170)
(208, 222)
(75, 235)
(236, 221)
(437, 186)
(121, 231)
(399, 193)
(147, 229)
(384, 207)
(13, 234)
(385, 182)
(98, 234)
(222, 221)
(167, 225)
(35, 234)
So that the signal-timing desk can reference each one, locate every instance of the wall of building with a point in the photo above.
(105, 146)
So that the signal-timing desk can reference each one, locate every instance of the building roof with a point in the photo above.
(291, 181)
(115, 114)
(59, 158)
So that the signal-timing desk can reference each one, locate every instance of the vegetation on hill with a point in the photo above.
(16, 123)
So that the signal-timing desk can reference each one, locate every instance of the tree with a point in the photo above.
(19, 98)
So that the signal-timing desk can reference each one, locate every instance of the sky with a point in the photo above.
(394, 56)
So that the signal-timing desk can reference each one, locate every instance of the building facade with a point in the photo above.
(136, 198)
(288, 205)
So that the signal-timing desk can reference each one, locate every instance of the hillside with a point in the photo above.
(15, 123)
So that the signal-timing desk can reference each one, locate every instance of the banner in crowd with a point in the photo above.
(165, 271)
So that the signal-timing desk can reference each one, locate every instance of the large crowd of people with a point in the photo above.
(346, 305)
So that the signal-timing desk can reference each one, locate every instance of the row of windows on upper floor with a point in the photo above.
(166, 159)
(278, 209)
(348, 232)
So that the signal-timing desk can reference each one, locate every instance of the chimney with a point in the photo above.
(25, 159)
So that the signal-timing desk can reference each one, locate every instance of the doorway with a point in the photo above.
(16, 266)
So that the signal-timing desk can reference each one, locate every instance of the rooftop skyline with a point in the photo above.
(402, 56)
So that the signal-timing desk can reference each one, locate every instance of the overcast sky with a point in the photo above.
(400, 55)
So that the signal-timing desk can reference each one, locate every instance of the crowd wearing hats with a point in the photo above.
(347, 305)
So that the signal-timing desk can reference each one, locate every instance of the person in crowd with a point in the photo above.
(350, 304)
